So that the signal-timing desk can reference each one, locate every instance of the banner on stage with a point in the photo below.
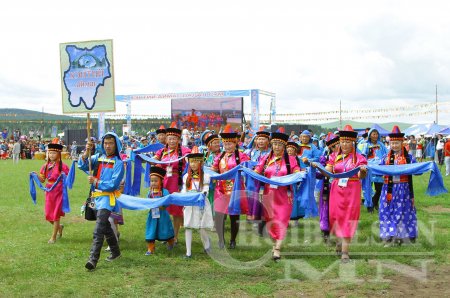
(87, 79)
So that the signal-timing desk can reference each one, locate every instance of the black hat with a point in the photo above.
(263, 133)
(279, 136)
(331, 139)
(195, 154)
(161, 129)
(228, 135)
(55, 147)
(211, 138)
(173, 130)
(348, 133)
(396, 134)
(157, 171)
(293, 145)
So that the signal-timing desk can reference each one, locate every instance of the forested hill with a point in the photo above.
(22, 114)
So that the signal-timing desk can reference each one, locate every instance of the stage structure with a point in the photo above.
(254, 94)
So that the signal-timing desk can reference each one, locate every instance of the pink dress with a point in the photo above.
(171, 183)
(54, 198)
(345, 201)
(223, 190)
(277, 202)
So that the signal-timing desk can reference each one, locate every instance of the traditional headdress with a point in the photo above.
(173, 130)
(279, 137)
(396, 134)
(331, 139)
(263, 133)
(228, 135)
(211, 138)
(157, 171)
(161, 129)
(195, 155)
(55, 146)
(293, 145)
(348, 133)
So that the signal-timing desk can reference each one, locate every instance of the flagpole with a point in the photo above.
(436, 106)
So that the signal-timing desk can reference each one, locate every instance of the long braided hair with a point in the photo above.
(286, 160)
(236, 156)
(353, 152)
(59, 161)
(189, 178)
(180, 163)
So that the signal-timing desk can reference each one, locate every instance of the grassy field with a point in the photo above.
(31, 267)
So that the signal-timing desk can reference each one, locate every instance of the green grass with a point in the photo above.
(31, 267)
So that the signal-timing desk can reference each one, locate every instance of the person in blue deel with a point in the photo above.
(105, 184)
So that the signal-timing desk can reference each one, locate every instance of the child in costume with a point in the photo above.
(197, 217)
(159, 226)
(54, 199)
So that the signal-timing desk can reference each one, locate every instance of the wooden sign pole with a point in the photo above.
(88, 127)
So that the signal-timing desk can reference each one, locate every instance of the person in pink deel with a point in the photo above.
(224, 162)
(345, 193)
(277, 200)
(54, 199)
(173, 181)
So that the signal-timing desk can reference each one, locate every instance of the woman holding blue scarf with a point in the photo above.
(173, 181)
(277, 200)
(398, 220)
(224, 162)
(345, 193)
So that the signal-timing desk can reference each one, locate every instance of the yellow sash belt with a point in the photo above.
(112, 196)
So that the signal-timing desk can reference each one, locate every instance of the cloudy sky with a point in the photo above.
(368, 54)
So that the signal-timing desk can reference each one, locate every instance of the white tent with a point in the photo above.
(423, 129)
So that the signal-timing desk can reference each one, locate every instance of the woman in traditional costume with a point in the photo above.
(226, 161)
(345, 193)
(260, 149)
(398, 220)
(173, 181)
(277, 200)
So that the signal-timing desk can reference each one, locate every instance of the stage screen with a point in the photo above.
(211, 113)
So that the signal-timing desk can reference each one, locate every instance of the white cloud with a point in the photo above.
(312, 54)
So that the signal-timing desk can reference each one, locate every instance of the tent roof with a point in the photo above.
(423, 129)
(445, 131)
(383, 132)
